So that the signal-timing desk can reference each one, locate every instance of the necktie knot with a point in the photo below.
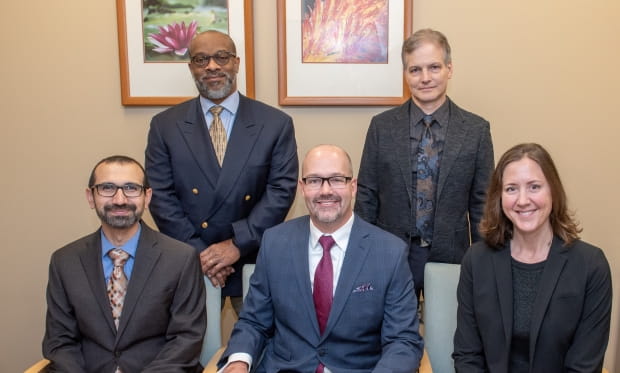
(118, 256)
(427, 120)
(326, 242)
(216, 110)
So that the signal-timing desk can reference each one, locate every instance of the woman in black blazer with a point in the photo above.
(532, 297)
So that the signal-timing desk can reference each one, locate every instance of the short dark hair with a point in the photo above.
(426, 35)
(497, 228)
(122, 159)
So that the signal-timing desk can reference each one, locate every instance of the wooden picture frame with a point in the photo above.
(166, 83)
(309, 83)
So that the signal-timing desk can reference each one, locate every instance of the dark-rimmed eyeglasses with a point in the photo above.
(336, 182)
(130, 190)
(221, 58)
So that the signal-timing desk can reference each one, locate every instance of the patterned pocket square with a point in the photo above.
(363, 287)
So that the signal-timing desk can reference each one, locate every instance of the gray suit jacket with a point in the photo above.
(384, 184)
(163, 321)
(373, 323)
(570, 317)
(196, 201)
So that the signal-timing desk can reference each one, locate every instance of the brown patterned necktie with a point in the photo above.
(218, 133)
(117, 285)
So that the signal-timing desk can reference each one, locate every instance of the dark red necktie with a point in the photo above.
(322, 293)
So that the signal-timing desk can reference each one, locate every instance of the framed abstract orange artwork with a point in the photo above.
(342, 52)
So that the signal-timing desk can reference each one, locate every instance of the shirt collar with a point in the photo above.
(230, 103)
(340, 236)
(441, 115)
(129, 247)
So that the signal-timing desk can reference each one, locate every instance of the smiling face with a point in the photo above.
(118, 212)
(526, 197)
(427, 75)
(213, 81)
(329, 207)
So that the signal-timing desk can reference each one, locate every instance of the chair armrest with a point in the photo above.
(212, 366)
(425, 364)
(39, 367)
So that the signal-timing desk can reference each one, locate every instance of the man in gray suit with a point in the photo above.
(426, 164)
(159, 324)
(330, 293)
(220, 195)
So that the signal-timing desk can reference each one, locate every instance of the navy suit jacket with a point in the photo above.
(196, 201)
(163, 321)
(570, 317)
(372, 327)
(384, 184)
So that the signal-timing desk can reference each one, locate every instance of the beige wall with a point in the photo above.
(538, 70)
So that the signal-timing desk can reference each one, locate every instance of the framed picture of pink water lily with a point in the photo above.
(153, 39)
(342, 52)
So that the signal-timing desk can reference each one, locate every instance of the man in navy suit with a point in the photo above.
(161, 322)
(438, 221)
(372, 322)
(221, 206)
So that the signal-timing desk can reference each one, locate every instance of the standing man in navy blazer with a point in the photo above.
(387, 189)
(372, 322)
(221, 210)
(161, 323)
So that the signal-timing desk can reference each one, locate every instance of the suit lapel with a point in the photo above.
(455, 136)
(243, 137)
(354, 259)
(548, 281)
(147, 254)
(299, 239)
(90, 256)
(400, 131)
(503, 278)
(196, 135)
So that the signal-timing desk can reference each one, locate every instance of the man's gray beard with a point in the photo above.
(215, 94)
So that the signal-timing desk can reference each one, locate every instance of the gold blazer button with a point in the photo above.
(204, 225)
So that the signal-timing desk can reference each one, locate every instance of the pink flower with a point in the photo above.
(174, 38)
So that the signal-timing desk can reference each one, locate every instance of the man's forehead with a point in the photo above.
(214, 42)
(118, 169)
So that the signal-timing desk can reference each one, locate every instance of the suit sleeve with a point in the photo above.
(255, 324)
(187, 323)
(587, 350)
(483, 171)
(468, 350)
(279, 193)
(61, 344)
(165, 206)
(402, 345)
(367, 198)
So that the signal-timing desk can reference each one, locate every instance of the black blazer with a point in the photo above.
(163, 321)
(570, 319)
(384, 183)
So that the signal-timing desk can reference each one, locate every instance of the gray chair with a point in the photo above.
(213, 337)
(440, 283)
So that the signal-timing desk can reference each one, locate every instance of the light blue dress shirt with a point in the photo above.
(230, 105)
(129, 247)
